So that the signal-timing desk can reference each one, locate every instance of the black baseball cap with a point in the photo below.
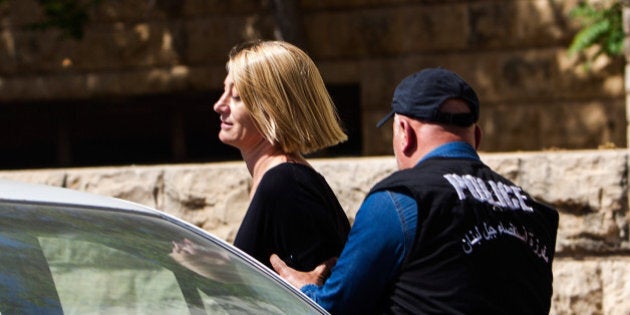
(421, 94)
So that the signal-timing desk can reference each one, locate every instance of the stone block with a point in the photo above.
(204, 78)
(108, 84)
(23, 12)
(102, 48)
(584, 124)
(213, 197)
(32, 51)
(209, 40)
(535, 75)
(588, 187)
(372, 28)
(352, 179)
(500, 25)
(337, 72)
(386, 31)
(513, 126)
(5, 11)
(131, 45)
(577, 288)
(616, 289)
(136, 184)
(55, 178)
(379, 80)
(380, 142)
(536, 126)
(222, 7)
(131, 11)
(349, 4)
(591, 286)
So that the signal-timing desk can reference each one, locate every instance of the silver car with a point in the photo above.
(69, 252)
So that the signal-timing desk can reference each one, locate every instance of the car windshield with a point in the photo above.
(76, 260)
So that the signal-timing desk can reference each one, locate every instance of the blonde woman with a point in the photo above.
(274, 109)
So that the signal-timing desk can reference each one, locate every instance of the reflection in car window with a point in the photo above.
(59, 260)
(94, 278)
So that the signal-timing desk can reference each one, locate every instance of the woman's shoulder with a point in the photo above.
(294, 179)
(291, 173)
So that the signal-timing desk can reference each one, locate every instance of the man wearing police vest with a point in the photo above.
(445, 234)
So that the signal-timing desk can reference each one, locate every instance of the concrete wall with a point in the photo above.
(534, 96)
(589, 188)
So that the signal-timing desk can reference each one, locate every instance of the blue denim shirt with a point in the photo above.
(381, 236)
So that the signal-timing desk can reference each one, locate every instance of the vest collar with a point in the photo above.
(455, 150)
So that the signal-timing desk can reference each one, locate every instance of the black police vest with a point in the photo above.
(482, 245)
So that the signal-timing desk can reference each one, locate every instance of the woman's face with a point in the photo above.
(237, 126)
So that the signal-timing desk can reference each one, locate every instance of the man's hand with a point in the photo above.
(299, 279)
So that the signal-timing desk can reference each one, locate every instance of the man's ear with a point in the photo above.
(409, 142)
(478, 136)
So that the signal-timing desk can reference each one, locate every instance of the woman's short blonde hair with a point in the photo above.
(285, 95)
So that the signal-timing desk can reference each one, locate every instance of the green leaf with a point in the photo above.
(589, 36)
(602, 27)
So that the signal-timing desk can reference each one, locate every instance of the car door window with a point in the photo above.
(92, 278)
(79, 260)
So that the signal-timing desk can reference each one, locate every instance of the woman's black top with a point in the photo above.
(294, 214)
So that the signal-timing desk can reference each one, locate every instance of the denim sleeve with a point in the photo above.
(381, 236)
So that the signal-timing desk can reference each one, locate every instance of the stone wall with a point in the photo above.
(588, 187)
(534, 95)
